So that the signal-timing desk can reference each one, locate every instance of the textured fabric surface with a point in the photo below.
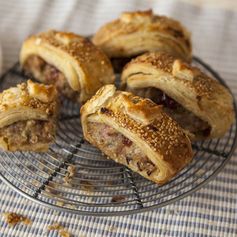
(211, 211)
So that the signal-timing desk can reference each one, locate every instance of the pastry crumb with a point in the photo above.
(70, 174)
(72, 206)
(63, 204)
(60, 229)
(200, 172)
(87, 186)
(60, 203)
(110, 182)
(51, 189)
(36, 183)
(13, 219)
(112, 228)
(118, 198)
(43, 166)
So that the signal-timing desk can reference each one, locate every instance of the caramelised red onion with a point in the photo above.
(162, 99)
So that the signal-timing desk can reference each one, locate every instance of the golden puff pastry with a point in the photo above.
(71, 62)
(138, 32)
(137, 133)
(200, 104)
(28, 115)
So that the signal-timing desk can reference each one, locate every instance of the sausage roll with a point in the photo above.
(135, 33)
(137, 133)
(200, 104)
(28, 115)
(71, 62)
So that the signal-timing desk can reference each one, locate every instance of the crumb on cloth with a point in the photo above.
(13, 219)
(60, 229)
(112, 228)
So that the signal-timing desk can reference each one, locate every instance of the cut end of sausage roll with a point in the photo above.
(137, 133)
(139, 32)
(69, 61)
(200, 104)
(28, 114)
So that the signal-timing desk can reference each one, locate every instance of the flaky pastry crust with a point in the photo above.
(85, 67)
(27, 102)
(188, 85)
(138, 32)
(145, 124)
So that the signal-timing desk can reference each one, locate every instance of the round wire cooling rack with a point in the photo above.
(74, 176)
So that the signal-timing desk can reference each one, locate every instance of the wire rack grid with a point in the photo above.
(99, 186)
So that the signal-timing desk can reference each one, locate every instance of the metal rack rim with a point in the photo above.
(140, 207)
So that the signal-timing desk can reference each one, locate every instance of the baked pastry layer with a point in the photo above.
(28, 114)
(138, 32)
(72, 62)
(135, 132)
(116, 144)
(200, 104)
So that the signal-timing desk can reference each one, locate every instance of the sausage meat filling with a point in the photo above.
(28, 133)
(119, 146)
(186, 119)
(48, 74)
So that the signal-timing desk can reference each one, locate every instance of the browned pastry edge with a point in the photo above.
(32, 95)
(85, 66)
(145, 124)
(143, 25)
(186, 84)
(28, 102)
